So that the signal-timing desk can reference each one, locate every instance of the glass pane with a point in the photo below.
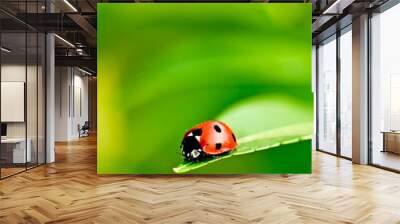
(314, 78)
(31, 88)
(386, 89)
(32, 95)
(14, 152)
(41, 98)
(346, 94)
(327, 96)
(22, 89)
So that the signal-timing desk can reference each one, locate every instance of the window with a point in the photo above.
(22, 77)
(327, 95)
(385, 89)
(346, 92)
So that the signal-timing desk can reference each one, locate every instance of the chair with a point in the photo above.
(84, 130)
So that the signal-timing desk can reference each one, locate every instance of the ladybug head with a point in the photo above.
(190, 146)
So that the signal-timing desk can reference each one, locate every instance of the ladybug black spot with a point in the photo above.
(218, 146)
(197, 132)
(234, 137)
(217, 128)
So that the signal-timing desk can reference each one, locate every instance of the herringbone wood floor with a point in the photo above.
(70, 191)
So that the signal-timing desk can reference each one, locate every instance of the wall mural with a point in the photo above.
(204, 88)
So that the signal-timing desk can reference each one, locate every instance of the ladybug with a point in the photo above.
(208, 139)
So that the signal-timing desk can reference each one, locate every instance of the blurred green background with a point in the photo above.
(163, 68)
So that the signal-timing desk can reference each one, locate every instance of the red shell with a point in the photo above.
(216, 137)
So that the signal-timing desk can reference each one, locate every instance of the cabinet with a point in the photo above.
(391, 142)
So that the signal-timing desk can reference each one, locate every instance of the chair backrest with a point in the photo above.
(86, 125)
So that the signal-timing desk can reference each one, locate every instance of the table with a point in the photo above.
(16, 147)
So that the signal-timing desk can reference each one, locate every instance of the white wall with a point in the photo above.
(13, 72)
(81, 102)
(71, 102)
(62, 81)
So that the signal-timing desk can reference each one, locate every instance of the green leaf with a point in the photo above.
(257, 142)
(260, 123)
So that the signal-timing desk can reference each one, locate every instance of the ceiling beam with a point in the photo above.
(84, 24)
(82, 61)
(337, 6)
(320, 22)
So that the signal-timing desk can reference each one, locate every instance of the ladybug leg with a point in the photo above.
(195, 154)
